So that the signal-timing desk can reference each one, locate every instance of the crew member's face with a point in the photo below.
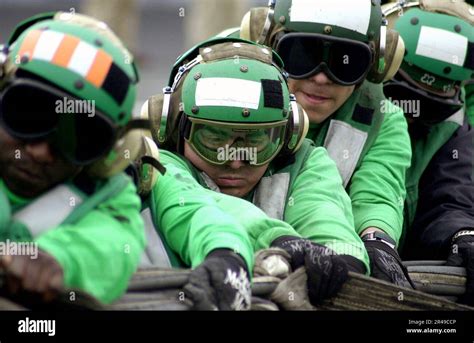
(236, 178)
(31, 168)
(320, 96)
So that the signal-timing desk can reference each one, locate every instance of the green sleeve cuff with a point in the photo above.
(265, 239)
(227, 241)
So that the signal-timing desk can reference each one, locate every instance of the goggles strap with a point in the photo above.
(138, 124)
(184, 130)
(268, 22)
(183, 69)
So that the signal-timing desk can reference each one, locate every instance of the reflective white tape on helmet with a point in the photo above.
(68, 51)
(217, 91)
(353, 15)
(442, 45)
(47, 45)
(82, 58)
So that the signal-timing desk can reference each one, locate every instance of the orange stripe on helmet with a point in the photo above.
(65, 50)
(29, 43)
(99, 69)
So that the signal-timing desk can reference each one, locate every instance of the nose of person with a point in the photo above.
(236, 164)
(320, 78)
(40, 151)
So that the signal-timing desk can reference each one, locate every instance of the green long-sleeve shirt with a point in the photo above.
(99, 252)
(377, 187)
(195, 220)
(319, 209)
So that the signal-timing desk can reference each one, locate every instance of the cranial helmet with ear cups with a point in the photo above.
(439, 56)
(357, 20)
(227, 81)
(439, 38)
(79, 57)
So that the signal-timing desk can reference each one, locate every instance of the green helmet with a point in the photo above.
(58, 66)
(439, 54)
(264, 94)
(229, 87)
(439, 48)
(79, 55)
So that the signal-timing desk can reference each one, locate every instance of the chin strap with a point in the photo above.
(154, 163)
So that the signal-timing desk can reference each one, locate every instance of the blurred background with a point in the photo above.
(156, 31)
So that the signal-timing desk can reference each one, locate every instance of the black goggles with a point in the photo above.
(33, 111)
(218, 142)
(345, 62)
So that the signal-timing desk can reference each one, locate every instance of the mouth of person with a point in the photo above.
(29, 176)
(315, 99)
(230, 181)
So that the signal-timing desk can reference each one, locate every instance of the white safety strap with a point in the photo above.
(49, 210)
(457, 117)
(210, 183)
(344, 144)
(155, 254)
(270, 195)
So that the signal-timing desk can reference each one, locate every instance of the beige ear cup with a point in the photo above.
(256, 25)
(245, 26)
(460, 9)
(152, 108)
(304, 127)
(144, 115)
(300, 126)
(396, 54)
(125, 151)
(392, 59)
(147, 173)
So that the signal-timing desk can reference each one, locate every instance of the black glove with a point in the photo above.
(326, 270)
(385, 263)
(462, 255)
(221, 282)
